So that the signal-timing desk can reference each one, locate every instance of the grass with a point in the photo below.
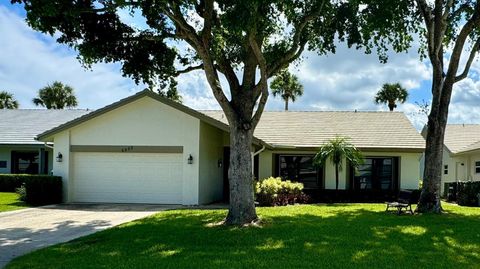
(9, 201)
(305, 236)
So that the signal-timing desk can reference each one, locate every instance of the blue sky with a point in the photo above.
(347, 80)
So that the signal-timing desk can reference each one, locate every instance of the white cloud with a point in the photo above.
(30, 60)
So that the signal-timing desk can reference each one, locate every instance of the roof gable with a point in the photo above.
(461, 138)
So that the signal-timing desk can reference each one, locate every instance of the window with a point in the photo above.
(298, 168)
(375, 174)
(3, 164)
(25, 162)
(477, 167)
(445, 169)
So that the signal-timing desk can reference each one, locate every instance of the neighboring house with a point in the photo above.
(461, 154)
(20, 153)
(148, 149)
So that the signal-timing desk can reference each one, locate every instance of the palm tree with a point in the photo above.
(391, 94)
(7, 101)
(56, 96)
(336, 150)
(287, 86)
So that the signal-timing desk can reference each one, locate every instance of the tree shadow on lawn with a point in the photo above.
(297, 236)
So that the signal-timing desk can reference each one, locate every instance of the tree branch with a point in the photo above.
(189, 69)
(297, 43)
(263, 80)
(472, 55)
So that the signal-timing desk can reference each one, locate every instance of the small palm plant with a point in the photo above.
(287, 86)
(56, 96)
(7, 101)
(338, 149)
(390, 94)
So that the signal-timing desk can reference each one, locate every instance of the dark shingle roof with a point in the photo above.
(21, 126)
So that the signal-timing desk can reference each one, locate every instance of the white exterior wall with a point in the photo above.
(408, 174)
(143, 122)
(461, 167)
(210, 175)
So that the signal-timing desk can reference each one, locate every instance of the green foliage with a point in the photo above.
(275, 191)
(336, 150)
(7, 101)
(390, 94)
(284, 28)
(10, 182)
(467, 193)
(56, 96)
(22, 193)
(287, 86)
(38, 189)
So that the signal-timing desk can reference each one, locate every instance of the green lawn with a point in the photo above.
(9, 201)
(307, 236)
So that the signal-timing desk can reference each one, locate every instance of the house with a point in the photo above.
(20, 153)
(148, 149)
(461, 154)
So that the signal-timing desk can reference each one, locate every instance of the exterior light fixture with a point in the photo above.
(220, 163)
(59, 157)
(190, 159)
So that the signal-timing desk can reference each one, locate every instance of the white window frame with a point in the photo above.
(477, 166)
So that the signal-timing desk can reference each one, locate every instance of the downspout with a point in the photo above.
(47, 145)
(253, 158)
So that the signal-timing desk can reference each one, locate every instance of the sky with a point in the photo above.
(346, 80)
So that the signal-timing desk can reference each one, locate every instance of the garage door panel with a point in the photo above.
(127, 177)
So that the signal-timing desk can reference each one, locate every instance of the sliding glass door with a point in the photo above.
(376, 174)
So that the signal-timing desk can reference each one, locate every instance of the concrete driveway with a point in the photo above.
(23, 231)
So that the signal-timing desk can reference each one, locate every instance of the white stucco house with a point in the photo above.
(461, 153)
(148, 149)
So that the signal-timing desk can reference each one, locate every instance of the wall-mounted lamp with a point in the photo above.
(59, 157)
(190, 159)
(220, 163)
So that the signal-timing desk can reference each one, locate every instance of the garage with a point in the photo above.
(112, 177)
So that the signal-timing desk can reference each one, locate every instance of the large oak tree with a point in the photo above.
(450, 28)
(246, 42)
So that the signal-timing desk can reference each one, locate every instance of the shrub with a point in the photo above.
(274, 191)
(467, 193)
(35, 189)
(9, 183)
(22, 193)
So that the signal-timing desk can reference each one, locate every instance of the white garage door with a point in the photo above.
(127, 177)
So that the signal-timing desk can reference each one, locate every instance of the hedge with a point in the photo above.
(37, 189)
(464, 193)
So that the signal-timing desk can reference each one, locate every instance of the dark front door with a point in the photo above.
(376, 175)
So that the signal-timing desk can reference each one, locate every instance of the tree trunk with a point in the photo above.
(391, 106)
(336, 180)
(286, 105)
(432, 176)
(242, 206)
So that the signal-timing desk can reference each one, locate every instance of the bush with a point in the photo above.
(467, 193)
(35, 189)
(9, 183)
(274, 191)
